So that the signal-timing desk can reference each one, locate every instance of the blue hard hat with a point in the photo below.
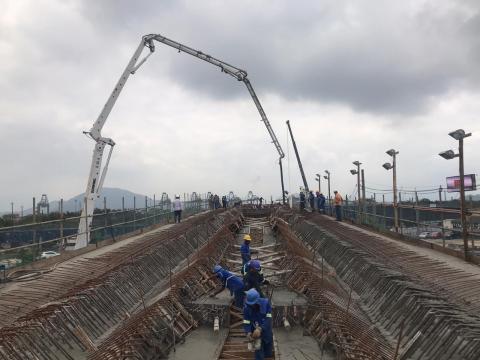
(255, 264)
(252, 297)
(217, 268)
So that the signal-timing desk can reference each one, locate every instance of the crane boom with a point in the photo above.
(305, 184)
(239, 74)
(95, 180)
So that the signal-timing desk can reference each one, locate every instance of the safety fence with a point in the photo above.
(431, 223)
(25, 243)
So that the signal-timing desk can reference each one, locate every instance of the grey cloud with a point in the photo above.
(57, 73)
(375, 58)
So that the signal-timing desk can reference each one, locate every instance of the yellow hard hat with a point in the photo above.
(247, 237)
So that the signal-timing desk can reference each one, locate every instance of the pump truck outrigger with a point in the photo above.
(95, 179)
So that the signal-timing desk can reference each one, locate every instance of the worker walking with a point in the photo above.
(253, 276)
(177, 208)
(311, 200)
(302, 200)
(216, 202)
(321, 203)
(257, 324)
(245, 249)
(231, 282)
(338, 200)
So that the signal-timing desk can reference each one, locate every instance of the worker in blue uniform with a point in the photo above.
(253, 276)
(232, 282)
(257, 323)
(245, 249)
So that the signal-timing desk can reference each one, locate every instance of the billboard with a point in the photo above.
(453, 183)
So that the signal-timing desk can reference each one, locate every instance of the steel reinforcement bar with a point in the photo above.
(411, 296)
(333, 315)
(123, 300)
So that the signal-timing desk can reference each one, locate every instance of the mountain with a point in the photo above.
(113, 197)
(114, 201)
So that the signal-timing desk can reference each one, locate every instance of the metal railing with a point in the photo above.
(438, 226)
(24, 243)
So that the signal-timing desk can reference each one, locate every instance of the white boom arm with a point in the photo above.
(95, 180)
(95, 183)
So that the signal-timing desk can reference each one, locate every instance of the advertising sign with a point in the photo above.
(453, 183)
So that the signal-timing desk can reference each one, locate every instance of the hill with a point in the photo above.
(114, 201)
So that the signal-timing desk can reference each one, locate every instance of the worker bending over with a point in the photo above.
(257, 323)
(245, 249)
(231, 282)
(253, 276)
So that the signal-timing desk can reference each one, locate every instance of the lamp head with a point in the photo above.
(459, 134)
(387, 166)
(327, 172)
(448, 154)
(357, 163)
(353, 172)
(325, 177)
(391, 152)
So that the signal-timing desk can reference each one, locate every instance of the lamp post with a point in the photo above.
(327, 177)
(459, 135)
(357, 172)
(388, 166)
(318, 178)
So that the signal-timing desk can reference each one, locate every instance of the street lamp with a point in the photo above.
(448, 154)
(327, 177)
(318, 178)
(459, 135)
(357, 172)
(388, 166)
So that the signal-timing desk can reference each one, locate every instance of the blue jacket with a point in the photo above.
(263, 317)
(252, 279)
(230, 281)
(245, 251)
(320, 201)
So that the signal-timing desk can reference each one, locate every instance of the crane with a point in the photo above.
(97, 175)
(298, 158)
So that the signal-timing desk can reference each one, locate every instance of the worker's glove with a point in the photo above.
(257, 333)
(266, 282)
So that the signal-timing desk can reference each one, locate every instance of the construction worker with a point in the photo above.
(177, 208)
(245, 249)
(302, 200)
(311, 200)
(257, 324)
(338, 200)
(321, 202)
(231, 282)
(253, 276)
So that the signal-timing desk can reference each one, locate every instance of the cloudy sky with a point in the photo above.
(355, 78)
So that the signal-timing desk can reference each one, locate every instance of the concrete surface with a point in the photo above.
(201, 344)
(292, 345)
(285, 297)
